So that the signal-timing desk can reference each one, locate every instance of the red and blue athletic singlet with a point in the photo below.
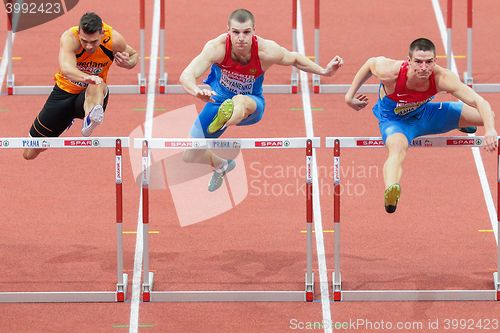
(412, 113)
(230, 78)
(403, 101)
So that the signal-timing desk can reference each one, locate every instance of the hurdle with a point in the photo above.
(151, 295)
(165, 88)
(120, 294)
(139, 88)
(467, 76)
(402, 295)
(319, 88)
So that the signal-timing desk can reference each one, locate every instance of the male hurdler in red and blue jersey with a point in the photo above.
(412, 113)
(230, 78)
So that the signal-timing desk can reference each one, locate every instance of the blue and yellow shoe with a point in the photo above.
(218, 176)
(468, 129)
(391, 197)
(224, 113)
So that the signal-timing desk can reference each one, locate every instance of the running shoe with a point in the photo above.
(468, 129)
(391, 197)
(94, 118)
(224, 113)
(218, 175)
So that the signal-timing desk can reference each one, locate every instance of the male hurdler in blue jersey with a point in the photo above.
(237, 61)
(405, 111)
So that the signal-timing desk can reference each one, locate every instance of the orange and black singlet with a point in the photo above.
(96, 63)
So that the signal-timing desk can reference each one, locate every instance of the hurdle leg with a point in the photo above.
(497, 238)
(468, 75)
(316, 79)
(10, 75)
(148, 277)
(336, 276)
(294, 81)
(121, 285)
(309, 222)
(449, 24)
(162, 80)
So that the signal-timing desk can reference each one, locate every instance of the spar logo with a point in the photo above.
(178, 144)
(272, 143)
(81, 143)
(369, 143)
(464, 142)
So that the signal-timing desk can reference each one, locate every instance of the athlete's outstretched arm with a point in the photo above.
(273, 53)
(125, 55)
(199, 65)
(67, 60)
(382, 68)
(449, 82)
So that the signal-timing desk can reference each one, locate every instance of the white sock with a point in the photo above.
(223, 167)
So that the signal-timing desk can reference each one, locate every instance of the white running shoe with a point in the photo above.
(94, 118)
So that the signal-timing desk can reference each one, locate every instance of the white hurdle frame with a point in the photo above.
(467, 76)
(165, 88)
(120, 294)
(373, 88)
(319, 88)
(139, 88)
(403, 295)
(151, 295)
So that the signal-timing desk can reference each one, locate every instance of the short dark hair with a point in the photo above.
(422, 44)
(241, 15)
(90, 23)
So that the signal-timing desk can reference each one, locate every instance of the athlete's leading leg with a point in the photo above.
(93, 106)
(397, 146)
(470, 117)
(232, 112)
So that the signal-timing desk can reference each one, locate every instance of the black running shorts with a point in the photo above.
(58, 113)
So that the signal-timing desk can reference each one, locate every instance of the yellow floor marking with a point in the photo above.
(455, 56)
(485, 230)
(14, 58)
(151, 232)
(148, 57)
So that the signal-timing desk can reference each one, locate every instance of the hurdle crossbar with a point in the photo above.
(402, 295)
(151, 295)
(166, 88)
(120, 294)
(139, 88)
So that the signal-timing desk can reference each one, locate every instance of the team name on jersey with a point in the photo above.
(91, 67)
(403, 108)
(237, 83)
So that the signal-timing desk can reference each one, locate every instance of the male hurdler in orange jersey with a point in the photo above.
(85, 56)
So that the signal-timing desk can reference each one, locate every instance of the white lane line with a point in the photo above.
(148, 130)
(318, 226)
(488, 198)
